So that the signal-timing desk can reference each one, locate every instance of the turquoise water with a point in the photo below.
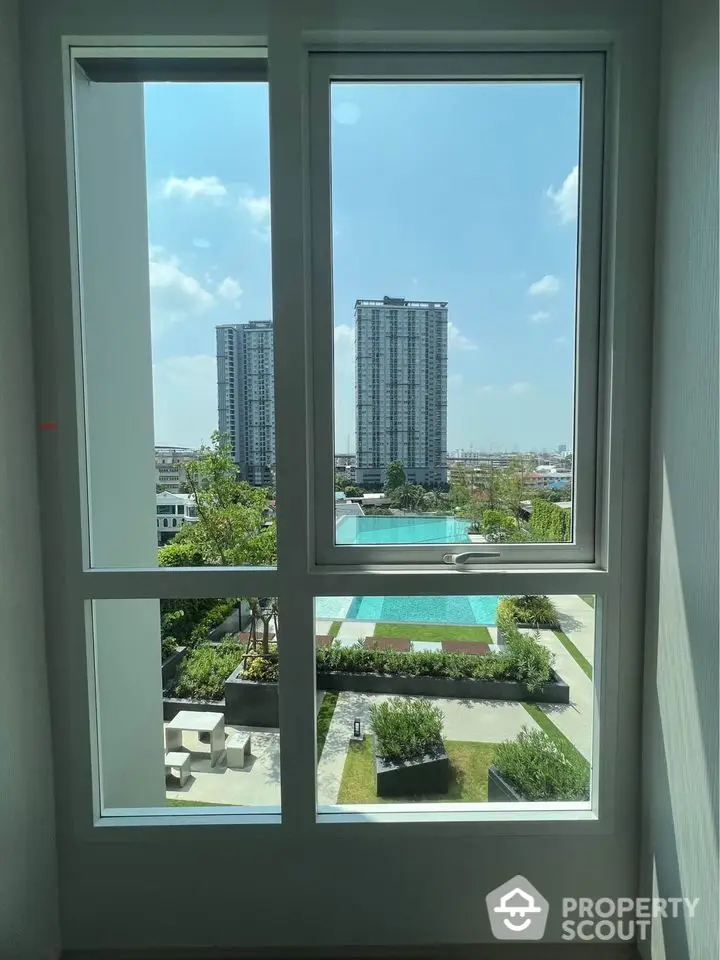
(359, 530)
(465, 610)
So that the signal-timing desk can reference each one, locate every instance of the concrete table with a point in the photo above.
(212, 723)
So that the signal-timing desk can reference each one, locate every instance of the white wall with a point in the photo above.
(680, 775)
(28, 870)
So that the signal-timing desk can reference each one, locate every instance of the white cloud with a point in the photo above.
(174, 294)
(192, 187)
(540, 316)
(185, 390)
(546, 285)
(519, 388)
(565, 198)
(201, 242)
(229, 289)
(457, 341)
(257, 206)
(484, 391)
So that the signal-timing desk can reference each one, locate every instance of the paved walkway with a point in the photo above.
(577, 621)
(573, 719)
(476, 721)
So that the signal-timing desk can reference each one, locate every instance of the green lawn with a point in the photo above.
(324, 719)
(468, 782)
(432, 631)
(590, 600)
(334, 628)
(555, 734)
(574, 653)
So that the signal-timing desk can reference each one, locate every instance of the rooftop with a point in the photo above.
(401, 302)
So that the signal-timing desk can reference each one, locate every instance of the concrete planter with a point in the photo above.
(557, 691)
(500, 790)
(249, 703)
(430, 774)
(170, 666)
(525, 625)
(173, 705)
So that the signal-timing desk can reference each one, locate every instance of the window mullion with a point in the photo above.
(287, 69)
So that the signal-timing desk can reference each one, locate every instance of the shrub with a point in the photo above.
(540, 770)
(205, 669)
(529, 661)
(213, 618)
(261, 669)
(525, 660)
(528, 609)
(550, 523)
(406, 729)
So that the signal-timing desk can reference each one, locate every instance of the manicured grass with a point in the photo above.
(468, 781)
(590, 601)
(335, 628)
(324, 719)
(432, 631)
(555, 734)
(574, 653)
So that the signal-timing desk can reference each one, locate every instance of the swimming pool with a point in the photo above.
(365, 530)
(458, 610)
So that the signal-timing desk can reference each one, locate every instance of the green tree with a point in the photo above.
(513, 486)
(230, 529)
(497, 526)
(395, 475)
(409, 496)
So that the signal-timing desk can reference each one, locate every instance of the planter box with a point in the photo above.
(527, 625)
(500, 790)
(431, 774)
(173, 705)
(170, 666)
(557, 691)
(249, 703)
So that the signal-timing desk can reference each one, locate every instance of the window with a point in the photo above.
(328, 585)
(537, 372)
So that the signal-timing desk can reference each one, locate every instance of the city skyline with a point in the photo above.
(491, 231)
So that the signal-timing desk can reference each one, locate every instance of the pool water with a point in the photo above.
(365, 530)
(458, 610)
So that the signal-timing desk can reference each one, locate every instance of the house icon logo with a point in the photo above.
(517, 911)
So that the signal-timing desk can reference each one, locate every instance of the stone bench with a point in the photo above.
(237, 748)
(180, 762)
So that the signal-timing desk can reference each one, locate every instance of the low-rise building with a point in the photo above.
(173, 511)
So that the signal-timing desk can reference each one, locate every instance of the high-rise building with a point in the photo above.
(246, 397)
(401, 388)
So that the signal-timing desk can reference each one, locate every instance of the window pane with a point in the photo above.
(178, 723)
(177, 321)
(454, 281)
(454, 699)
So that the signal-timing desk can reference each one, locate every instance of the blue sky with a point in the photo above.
(457, 192)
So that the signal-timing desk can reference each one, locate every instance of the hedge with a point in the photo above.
(528, 609)
(549, 522)
(539, 769)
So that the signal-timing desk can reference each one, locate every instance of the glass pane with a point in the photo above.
(454, 699)
(187, 702)
(177, 322)
(454, 283)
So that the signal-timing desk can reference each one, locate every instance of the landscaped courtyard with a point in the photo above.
(472, 728)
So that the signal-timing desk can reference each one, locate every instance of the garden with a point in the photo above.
(406, 759)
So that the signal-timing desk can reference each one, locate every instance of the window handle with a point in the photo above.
(464, 559)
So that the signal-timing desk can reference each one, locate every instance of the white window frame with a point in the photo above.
(92, 870)
(588, 68)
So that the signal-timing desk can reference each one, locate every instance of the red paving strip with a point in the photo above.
(464, 646)
(323, 641)
(394, 643)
